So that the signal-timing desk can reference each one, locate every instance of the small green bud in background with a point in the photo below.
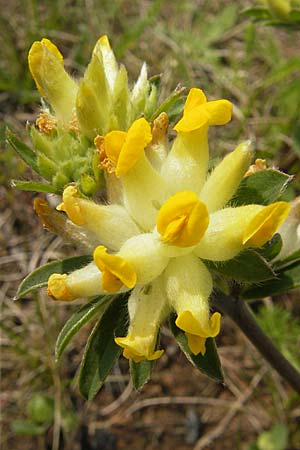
(280, 8)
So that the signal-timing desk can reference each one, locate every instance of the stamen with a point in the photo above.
(46, 123)
(160, 128)
(105, 162)
(258, 166)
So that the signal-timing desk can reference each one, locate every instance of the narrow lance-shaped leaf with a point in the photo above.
(169, 103)
(285, 281)
(248, 266)
(25, 152)
(33, 186)
(209, 363)
(140, 373)
(78, 320)
(291, 261)
(101, 351)
(261, 188)
(39, 277)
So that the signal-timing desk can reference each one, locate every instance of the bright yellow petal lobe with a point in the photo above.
(116, 271)
(138, 137)
(188, 323)
(219, 112)
(57, 287)
(113, 143)
(196, 344)
(192, 120)
(198, 112)
(71, 205)
(183, 219)
(138, 348)
(265, 223)
(195, 98)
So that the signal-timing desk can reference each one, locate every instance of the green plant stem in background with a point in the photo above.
(240, 313)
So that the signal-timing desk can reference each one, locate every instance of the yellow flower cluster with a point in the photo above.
(163, 216)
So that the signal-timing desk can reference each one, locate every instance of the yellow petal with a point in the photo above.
(144, 190)
(196, 344)
(103, 50)
(114, 268)
(138, 137)
(226, 177)
(231, 230)
(219, 112)
(192, 120)
(188, 285)
(195, 98)
(137, 349)
(265, 224)
(185, 167)
(144, 253)
(111, 225)
(188, 323)
(34, 59)
(53, 82)
(183, 219)
(71, 205)
(147, 307)
(85, 282)
(113, 143)
(57, 287)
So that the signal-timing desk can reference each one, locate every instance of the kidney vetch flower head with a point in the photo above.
(165, 217)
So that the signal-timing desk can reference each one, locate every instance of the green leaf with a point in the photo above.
(257, 13)
(272, 248)
(248, 266)
(282, 72)
(40, 409)
(27, 428)
(291, 261)
(140, 373)
(25, 152)
(274, 439)
(169, 103)
(78, 320)
(101, 351)
(39, 277)
(209, 363)
(285, 281)
(33, 186)
(261, 188)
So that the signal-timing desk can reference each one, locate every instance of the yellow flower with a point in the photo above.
(100, 101)
(170, 216)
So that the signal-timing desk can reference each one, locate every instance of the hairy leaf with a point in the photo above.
(285, 281)
(248, 266)
(33, 186)
(261, 188)
(25, 152)
(140, 373)
(101, 351)
(78, 320)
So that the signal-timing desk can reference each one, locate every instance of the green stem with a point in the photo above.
(240, 313)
